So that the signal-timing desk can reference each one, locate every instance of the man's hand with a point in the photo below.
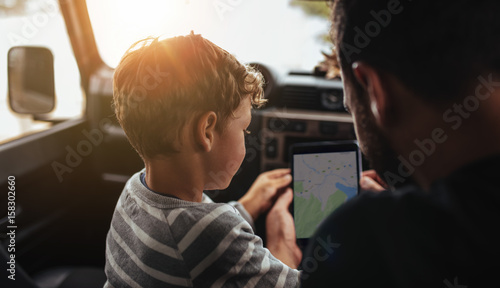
(370, 181)
(280, 231)
(261, 195)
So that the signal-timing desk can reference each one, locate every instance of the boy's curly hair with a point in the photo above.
(160, 84)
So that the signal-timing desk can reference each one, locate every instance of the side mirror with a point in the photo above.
(31, 80)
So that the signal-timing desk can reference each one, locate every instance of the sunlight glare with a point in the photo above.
(142, 19)
(270, 32)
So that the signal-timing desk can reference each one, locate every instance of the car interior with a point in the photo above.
(70, 170)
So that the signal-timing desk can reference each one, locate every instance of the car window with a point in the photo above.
(38, 23)
(277, 33)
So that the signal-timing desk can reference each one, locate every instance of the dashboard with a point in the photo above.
(302, 107)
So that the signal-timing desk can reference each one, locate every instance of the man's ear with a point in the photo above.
(205, 131)
(379, 96)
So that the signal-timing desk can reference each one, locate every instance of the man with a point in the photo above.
(422, 82)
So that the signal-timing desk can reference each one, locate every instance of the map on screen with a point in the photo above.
(322, 182)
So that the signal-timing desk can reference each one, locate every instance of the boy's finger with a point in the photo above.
(282, 181)
(278, 172)
(284, 199)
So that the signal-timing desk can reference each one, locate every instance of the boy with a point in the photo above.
(185, 105)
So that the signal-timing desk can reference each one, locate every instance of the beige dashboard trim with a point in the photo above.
(307, 115)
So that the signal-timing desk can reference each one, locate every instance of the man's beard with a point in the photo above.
(376, 147)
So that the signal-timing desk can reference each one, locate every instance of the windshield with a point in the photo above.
(284, 34)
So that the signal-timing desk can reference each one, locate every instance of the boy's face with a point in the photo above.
(229, 147)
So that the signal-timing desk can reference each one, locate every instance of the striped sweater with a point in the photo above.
(161, 241)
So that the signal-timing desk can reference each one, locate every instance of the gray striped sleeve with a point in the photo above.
(243, 212)
(228, 254)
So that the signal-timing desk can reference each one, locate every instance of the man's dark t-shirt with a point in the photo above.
(448, 237)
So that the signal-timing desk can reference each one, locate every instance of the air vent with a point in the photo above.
(311, 98)
(301, 97)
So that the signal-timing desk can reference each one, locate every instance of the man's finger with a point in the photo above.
(368, 183)
(374, 176)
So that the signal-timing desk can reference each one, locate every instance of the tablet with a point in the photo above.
(325, 175)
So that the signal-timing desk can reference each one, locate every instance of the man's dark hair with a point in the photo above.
(439, 56)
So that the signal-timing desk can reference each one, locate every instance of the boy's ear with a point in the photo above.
(205, 130)
(374, 84)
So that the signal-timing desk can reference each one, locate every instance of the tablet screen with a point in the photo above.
(321, 183)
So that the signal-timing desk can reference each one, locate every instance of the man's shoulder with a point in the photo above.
(372, 234)
(372, 206)
(371, 218)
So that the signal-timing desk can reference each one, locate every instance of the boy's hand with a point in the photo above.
(261, 195)
(280, 231)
